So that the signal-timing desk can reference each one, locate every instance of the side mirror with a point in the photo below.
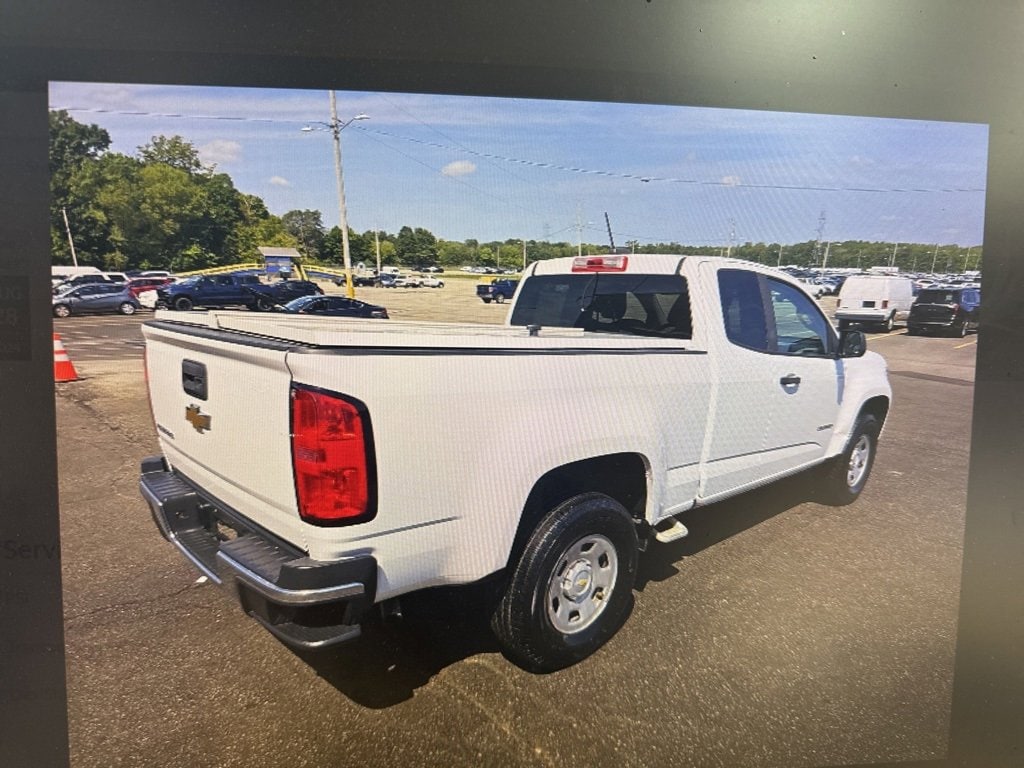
(852, 343)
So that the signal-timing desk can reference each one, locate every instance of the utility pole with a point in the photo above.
(376, 242)
(732, 237)
(67, 228)
(524, 255)
(579, 230)
(892, 259)
(935, 254)
(778, 262)
(821, 234)
(967, 260)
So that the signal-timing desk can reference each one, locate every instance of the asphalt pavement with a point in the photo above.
(779, 633)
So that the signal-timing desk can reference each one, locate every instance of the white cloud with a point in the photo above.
(280, 181)
(459, 168)
(220, 151)
(731, 181)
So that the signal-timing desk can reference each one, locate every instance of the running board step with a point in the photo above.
(673, 532)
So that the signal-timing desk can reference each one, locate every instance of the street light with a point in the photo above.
(336, 127)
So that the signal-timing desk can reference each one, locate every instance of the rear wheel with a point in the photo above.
(487, 301)
(183, 304)
(961, 330)
(61, 310)
(263, 304)
(127, 308)
(845, 476)
(890, 323)
(500, 298)
(572, 588)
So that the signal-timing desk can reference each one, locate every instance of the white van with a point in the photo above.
(874, 299)
(60, 273)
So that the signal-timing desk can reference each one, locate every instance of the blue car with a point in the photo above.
(95, 298)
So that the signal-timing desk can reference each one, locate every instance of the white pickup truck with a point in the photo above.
(322, 466)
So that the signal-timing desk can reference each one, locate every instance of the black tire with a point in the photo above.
(487, 301)
(263, 304)
(591, 541)
(127, 308)
(961, 330)
(183, 304)
(61, 310)
(890, 323)
(500, 298)
(844, 477)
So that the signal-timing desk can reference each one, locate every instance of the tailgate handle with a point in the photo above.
(193, 378)
(789, 381)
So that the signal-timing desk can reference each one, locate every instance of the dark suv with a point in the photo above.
(944, 310)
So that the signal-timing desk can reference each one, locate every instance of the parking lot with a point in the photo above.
(779, 633)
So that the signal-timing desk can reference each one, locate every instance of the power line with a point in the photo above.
(550, 165)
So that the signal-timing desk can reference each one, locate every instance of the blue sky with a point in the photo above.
(486, 168)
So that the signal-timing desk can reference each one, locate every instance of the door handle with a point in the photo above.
(789, 381)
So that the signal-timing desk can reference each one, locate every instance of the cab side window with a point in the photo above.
(743, 309)
(800, 327)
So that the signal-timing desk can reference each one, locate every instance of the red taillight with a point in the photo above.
(600, 263)
(885, 304)
(331, 458)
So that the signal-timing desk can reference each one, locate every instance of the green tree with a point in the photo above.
(307, 227)
(173, 151)
(72, 146)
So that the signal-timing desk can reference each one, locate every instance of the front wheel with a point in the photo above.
(183, 303)
(263, 304)
(61, 310)
(127, 308)
(572, 588)
(845, 476)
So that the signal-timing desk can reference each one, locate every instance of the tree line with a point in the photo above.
(163, 208)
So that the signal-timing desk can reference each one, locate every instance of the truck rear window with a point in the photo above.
(640, 305)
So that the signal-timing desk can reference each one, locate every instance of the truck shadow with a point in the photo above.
(393, 658)
(441, 627)
(715, 523)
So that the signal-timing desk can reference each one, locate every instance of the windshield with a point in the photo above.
(642, 305)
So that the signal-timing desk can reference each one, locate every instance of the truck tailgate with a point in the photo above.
(222, 410)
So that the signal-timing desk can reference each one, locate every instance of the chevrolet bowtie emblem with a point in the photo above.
(198, 420)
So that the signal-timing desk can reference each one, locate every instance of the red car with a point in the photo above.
(139, 284)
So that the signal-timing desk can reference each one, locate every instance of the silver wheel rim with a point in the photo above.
(858, 461)
(62, 311)
(581, 584)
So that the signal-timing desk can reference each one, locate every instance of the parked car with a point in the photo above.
(429, 281)
(95, 298)
(233, 290)
(333, 306)
(386, 280)
(408, 281)
(497, 291)
(874, 300)
(951, 310)
(139, 284)
(87, 279)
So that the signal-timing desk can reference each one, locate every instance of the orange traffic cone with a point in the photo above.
(63, 370)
